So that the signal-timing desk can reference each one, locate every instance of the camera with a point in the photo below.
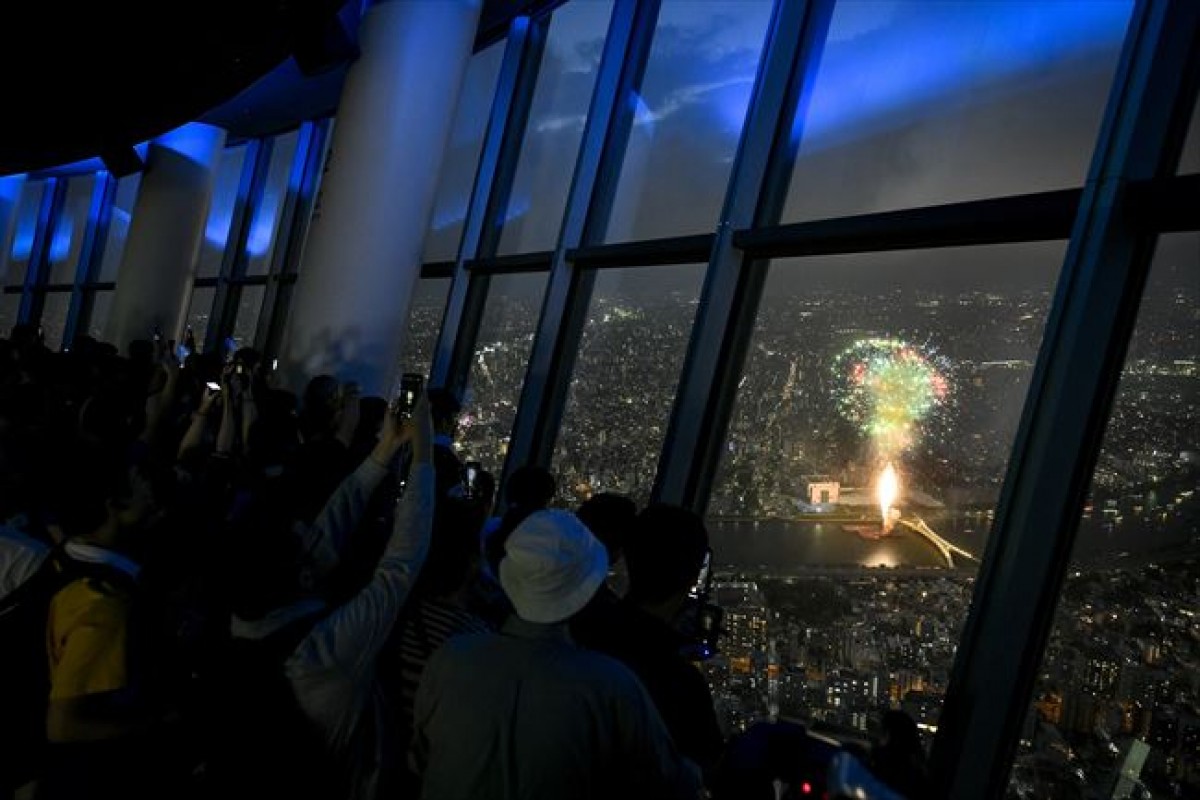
(470, 482)
(701, 622)
(411, 386)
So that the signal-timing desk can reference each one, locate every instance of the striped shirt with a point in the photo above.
(422, 628)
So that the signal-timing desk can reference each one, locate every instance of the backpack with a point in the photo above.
(25, 666)
(258, 742)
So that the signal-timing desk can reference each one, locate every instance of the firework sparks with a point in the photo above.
(888, 388)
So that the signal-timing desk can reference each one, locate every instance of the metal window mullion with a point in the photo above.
(465, 300)
(733, 283)
(91, 253)
(588, 207)
(287, 218)
(37, 272)
(279, 290)
(1070, 396)
(233, 261)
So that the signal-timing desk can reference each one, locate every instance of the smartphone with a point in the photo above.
(274, 364)
(709, 625)
(701, 587)
(214, 386)
(411, 386)
(471, 472)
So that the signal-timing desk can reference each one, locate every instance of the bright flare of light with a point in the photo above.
(888, 491)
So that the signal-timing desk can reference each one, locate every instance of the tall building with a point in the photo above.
(696, 252)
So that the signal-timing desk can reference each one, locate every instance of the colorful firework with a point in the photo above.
(887, 387)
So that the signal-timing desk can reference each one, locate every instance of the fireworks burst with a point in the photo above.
(888, 387)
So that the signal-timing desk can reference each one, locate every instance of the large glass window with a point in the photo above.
(220, 214)
(264, 229)
(54, 318)
(625, 379)
(919, 103)
(498, 372)
(688, 117)
(461, 158)
(118, 226)
(101, 309)
(66, 242)
(556, 119)
(10, 307)
(199, 314)
(1190, 162)
(863, 463)
(424, 321)
(250, 302)
(1115, 704)
(20, 251)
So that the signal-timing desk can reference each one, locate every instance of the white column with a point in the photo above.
(165, 231)
(363, 254)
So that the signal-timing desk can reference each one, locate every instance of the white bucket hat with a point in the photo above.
(552, 566)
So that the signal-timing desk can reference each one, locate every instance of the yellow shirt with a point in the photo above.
(86, 639)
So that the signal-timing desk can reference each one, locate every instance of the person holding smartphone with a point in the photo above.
(665, 550)
(445, 408)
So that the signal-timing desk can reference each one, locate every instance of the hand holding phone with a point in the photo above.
(411, 386)
(470, 483)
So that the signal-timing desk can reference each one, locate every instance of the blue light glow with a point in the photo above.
(262, 231)
(220, 218)
(26, 228)
(194, 140)
(60, 243)
(923, 52)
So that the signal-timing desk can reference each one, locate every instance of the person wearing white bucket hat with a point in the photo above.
(526, 713)
(552, 566)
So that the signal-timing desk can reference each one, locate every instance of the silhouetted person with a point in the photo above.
(529, 488)
(898, 759)
(445, 408)
(665, 551)
(610, 517)
(528, 714)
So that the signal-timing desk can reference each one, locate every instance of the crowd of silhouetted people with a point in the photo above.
(213, 587)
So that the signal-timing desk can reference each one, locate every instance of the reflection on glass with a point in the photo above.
(461, 158)
(624, 383)
(24, 231)
(424, 320)
(249, 308)
(220, 212)
(199, 314)
(118, 226)
(263, 230)
(1117, 691)
(10, 307)
(919, 103)
(98, 319)
(66, 242)
(688, 117)
(905, 370)
(54, 318)
(556, 117)
(498, 372)
(1190, 162)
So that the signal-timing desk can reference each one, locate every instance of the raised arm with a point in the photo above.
(326, 538)
(350, 639)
